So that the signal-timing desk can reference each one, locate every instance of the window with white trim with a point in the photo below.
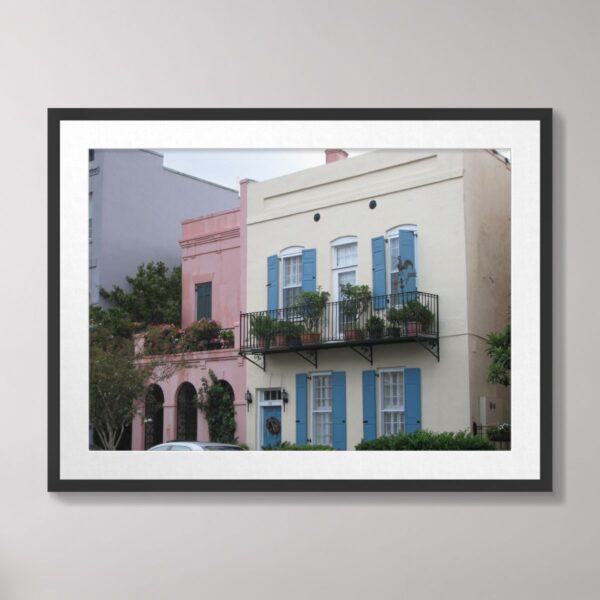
(344, 269)
(393, 275)
(271, 395)
(291, 276)
(391, 401)
(345, 255)
(322, 404)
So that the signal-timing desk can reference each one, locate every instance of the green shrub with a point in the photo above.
(164, 339)
(200, 333)
(427, 440)
(227, 337)
(288, 446)
(499, 433)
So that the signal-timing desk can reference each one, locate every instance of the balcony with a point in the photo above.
(410, 317)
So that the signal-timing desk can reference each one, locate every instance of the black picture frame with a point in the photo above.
(56, 116)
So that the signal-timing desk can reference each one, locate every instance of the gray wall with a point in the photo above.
(137, 210)
(263, 53)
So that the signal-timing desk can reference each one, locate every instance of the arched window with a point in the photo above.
(291, 275)
(153, 416)
(402, 252)
(187, 413)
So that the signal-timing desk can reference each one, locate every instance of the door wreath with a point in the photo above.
(273, 425)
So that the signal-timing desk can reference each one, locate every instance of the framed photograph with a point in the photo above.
(300, 299)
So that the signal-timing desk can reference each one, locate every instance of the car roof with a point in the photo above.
(197, 444)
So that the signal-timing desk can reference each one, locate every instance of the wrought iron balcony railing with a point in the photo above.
(393, 318)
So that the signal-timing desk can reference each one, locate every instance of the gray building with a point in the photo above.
(136, 206)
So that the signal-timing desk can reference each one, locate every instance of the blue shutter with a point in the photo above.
(369, 412)
(338, 389)
(407, 252)
(300, 408)
(309, 270)
(378, 252)
(412, 400)
(272, 282)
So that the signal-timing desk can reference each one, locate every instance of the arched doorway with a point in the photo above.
(228, 389)
(153, 416)
(187, 412)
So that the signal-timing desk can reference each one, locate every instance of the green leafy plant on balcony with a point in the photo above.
(417, 317)
(396, 322)
(356, 301)
(375, 327)
(310, 308)
(287, 333)
(164, 339)
(261, 329)
(202, 335)
(227, 338)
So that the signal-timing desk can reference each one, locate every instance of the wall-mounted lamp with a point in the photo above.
(248, 399)
(285, 398)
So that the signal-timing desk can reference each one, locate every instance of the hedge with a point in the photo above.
(288, 446)
(427, 440)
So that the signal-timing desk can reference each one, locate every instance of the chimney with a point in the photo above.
(334, 154)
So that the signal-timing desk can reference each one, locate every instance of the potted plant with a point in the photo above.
(280, 332)
(261, 329)
(163, 339)
(395, 321)
(227, 338)
(202, 334)
(356, 300)
(286, 333)
(375, 327)
(500, 433)
(417, 317)
(310, 307)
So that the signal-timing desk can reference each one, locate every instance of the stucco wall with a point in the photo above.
(211, 252)
(422, 188)
(226, 366)
(487, 238)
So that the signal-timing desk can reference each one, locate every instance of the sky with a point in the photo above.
(228, 167)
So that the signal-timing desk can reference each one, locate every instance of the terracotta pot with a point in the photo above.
(414, 328)
(280, 339)
(262, 342)
(353, 334)
(310, 338)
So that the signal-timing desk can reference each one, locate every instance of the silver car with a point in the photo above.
(202, 446)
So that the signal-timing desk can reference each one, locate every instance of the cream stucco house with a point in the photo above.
(349, 221)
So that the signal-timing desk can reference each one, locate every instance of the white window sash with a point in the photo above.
(396, 410)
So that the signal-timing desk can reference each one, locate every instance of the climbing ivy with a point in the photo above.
(215, 400)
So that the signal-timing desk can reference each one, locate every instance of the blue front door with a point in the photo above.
(271, 426)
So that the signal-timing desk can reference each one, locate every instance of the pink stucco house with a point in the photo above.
(213, 260)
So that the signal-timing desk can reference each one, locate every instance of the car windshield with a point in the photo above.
(222, 448)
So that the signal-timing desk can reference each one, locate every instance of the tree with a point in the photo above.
(155, 296)
(115, 384)
(117, 377)
(216, 401)
(498, 349)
